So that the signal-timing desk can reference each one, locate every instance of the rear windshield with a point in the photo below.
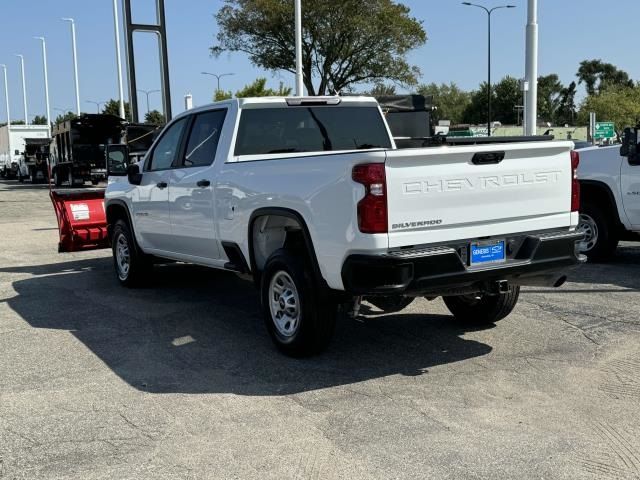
(310, 129)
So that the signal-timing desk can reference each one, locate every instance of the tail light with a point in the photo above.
(575, 184)
(372, 209)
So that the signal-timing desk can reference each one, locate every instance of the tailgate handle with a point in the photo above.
(487, 158)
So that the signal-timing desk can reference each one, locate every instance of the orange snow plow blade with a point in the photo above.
(82, 222)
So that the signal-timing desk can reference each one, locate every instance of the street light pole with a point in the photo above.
(298, 21)
(116, 26)
(147, 93)
(97, 104)
(6, 97)
(489, 87)
(218, 77)
(46, 77)
(24, 89)
(75, 61)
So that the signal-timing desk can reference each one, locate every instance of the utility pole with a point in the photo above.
(75, 61)
(116, 26)
(489, 87)
(218, 77)
(46, 78)
(24, 89)
(6, 97)
(147, 93)
(531, 75)
(299, 83)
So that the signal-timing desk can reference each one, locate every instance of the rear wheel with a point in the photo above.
(299, 315)
(483, 309)
(131, 265)
(600, 236)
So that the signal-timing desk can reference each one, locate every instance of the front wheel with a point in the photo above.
(131, 265)
(482, 309)
(299, 316)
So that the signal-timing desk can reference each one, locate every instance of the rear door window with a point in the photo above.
(310, 129)
(203, 139)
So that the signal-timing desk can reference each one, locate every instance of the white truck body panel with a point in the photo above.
(606, 166)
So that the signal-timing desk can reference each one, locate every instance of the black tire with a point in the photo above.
(139, 264)
(482, 310)
(316, 312)
(391, 304)
(601, 235)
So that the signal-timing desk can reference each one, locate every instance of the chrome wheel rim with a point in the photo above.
(589, 228)
(284, 303)
(123, 257)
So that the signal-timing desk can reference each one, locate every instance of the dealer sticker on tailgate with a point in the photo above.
(487, 252)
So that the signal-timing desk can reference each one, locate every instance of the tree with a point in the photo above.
(505, 96)
(222, 95)
(154, 117)
(598, 75)
(112, 107)
(381, 90)
(617, 104)
(345, 42)
(64, 118)
(450, 101)
(39, 120)
(259, 89)
(566, 111)
(549, 92)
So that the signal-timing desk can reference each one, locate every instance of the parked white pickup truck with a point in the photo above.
(610, 186)
(311, 197)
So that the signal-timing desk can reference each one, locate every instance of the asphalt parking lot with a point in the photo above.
(180, 380)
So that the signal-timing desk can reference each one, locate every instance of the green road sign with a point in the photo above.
(605, 130)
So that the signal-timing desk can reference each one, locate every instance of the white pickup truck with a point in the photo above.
(610, 185)
(312, 199)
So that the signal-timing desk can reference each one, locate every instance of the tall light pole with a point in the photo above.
(116, 27)
(46, 77)
(298, 20)
(531, 74)
(75, 61)
(489, 88)
(97, 104)
(218, 77)
(147, 93)
(24, 89)
(6, 97)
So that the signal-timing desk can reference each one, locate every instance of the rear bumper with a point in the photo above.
(535, 259)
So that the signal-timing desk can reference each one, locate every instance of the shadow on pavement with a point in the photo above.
(196, 330)
(622, 271)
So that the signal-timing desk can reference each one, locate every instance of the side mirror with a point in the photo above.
(133, 174)
(117, 160)
(629, 146)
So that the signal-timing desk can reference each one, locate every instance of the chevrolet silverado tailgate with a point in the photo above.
(453, 193)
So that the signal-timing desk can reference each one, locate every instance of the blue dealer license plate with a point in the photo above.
(489, 252)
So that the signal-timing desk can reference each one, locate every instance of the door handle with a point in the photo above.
(203, 183)
(162, 185)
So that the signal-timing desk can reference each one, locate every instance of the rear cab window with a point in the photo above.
(302, 129)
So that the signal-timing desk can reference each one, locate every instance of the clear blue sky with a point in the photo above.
(570, 31)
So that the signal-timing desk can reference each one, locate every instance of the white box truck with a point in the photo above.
(13, 145)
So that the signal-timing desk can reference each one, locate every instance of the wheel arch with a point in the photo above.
(116, 210)
(601, 194)
(291, 215)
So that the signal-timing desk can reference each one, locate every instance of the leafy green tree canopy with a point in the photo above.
(259, 89)
(154, 117)
(345, 42)
(39, 120)
(617, 104)
(598, 76)
(64, 118)
(450, 101)
(112, 107)
(220, 95)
